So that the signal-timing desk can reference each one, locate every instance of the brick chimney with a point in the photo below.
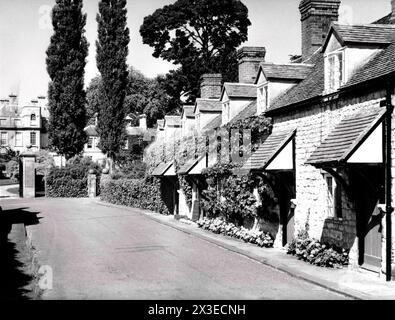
(13, 99)
(316, 17)
(211, 86)
(143, 122)
(249, 60)
(392, 11)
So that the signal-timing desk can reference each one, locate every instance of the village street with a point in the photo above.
(101, 252)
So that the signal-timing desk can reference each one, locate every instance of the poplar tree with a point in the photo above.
(112, 52)
(66, 60)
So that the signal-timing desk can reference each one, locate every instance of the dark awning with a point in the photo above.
(350, 135)
(161, 169)
(269, 150)
(193, 164)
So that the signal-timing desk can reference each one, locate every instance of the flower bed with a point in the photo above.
(220, 226)
(317, 253)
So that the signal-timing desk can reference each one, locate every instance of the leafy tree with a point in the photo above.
(66, 60)
(112, 52)
(201, 36)
(94, 98)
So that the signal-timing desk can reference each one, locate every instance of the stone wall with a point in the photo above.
(313, 124)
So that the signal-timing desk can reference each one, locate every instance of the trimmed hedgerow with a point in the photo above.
(67, 182)
(144, 194)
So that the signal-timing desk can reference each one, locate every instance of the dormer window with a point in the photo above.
(334, 71)
(263, 99)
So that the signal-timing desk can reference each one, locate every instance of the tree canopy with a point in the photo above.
(200, 36)
(66, 60)
(112, 52)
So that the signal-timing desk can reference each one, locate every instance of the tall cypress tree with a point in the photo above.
(112, 52)
(66, 60)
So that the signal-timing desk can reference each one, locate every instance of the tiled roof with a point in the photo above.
(380, 65)
(367, 34)
(214, 124)
(249, 111)
(291, 71)
(308, 88)
(347, 136)
(240, 90)
(208, 105)
(173, 121)
(91, 131)
(384, 20)
(269, 149)
(189, 111)
(161, 169)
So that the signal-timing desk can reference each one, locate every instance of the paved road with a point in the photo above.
(99, 252)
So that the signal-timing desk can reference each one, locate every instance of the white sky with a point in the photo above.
(25, 32)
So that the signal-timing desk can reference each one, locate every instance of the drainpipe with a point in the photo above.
(388, 178)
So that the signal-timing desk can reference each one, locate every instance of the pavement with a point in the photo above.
(93, 250)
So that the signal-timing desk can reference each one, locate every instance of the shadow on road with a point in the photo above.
(16, 259)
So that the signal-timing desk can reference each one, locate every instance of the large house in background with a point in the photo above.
(330, 152)
(23, 127)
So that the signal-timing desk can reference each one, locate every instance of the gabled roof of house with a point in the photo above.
(208, 105)
(381, 64)
(239, 90)
(173, 121)
(188, 111)
(91, 131)
(307, 89)
(347, 136)
(384, 20)
(290, 71)
(373, 34)
(214, 124)
(248, 111)
(269, 149)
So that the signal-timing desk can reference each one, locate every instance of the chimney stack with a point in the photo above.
(13, 99)
(316, 17)
(211, 86)
(392, 12)
(249, 60)
(143, 122)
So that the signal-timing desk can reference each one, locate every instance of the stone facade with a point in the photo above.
(313, 124)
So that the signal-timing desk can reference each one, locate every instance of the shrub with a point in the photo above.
(317, 253)
(68, 182)
(144, 194)
(12, 169)
(220, 226)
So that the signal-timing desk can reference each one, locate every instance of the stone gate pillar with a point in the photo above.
(28, 179)
(92, 184)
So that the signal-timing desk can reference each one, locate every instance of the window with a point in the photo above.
(334, 71)
(334, 197)
(18, 139)
(33, 119)
(4, 139)
(90, 143)
(263, 99)
(3, 122)
(33, 138)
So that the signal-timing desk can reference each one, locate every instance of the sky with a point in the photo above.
(25, 31)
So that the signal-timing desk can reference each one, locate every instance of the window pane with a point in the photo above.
(4, 138)
(18, 139)
(33, 138)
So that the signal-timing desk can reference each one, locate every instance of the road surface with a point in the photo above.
(100, 252)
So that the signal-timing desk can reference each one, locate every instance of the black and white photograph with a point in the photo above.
(197, 155)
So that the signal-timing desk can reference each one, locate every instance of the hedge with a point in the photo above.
(144, 194)
(67, 182)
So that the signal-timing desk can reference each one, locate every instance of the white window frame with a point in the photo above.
(332, 81)
(20, 144)
(263, 97)
(334, 197)
(6, 139)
